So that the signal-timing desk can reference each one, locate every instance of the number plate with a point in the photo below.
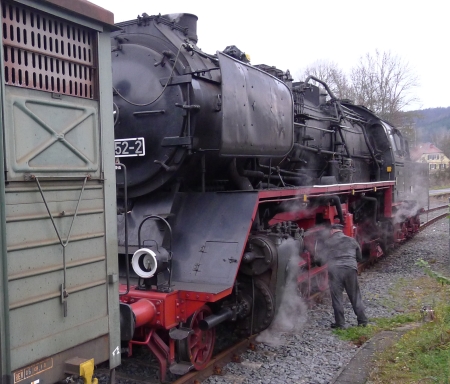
(129, 147)
(32, 370)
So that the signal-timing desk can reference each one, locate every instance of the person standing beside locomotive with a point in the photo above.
(342, 253)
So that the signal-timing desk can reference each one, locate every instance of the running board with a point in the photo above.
(180, 333)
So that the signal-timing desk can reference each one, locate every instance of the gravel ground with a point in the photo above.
(314, 354)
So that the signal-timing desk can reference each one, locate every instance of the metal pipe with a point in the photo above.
(316, 118)
(316, 150)
(344, 128)
(255, 174)
(310, 126)
(337, 204)
(270, 171)
(283, 170)
(311, 77)
(372, 154)
(333, 140)
(188, 116)
(213, 320)
(344, 142)
(144, 311)
(333, 97)
(241, 182)
(203, 173)
(299, 179)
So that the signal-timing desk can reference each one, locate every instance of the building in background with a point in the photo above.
(429, 153)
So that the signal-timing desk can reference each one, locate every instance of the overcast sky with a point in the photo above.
(292, 35)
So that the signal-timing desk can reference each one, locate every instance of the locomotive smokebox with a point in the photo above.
(182, 114)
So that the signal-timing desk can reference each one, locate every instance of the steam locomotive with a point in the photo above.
(219, 163)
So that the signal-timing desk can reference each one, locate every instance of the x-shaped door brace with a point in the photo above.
(56, 136)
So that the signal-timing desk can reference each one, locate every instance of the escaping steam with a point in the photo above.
(414, 197)
(292, 312)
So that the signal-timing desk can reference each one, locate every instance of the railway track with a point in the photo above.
(143, 370)
(215, 366)
(138, 371)
(435, 217)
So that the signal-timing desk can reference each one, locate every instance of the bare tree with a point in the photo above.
(384, 83)
(330, 73)
(407, 123)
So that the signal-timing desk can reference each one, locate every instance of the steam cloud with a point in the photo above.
(415, 196)
(292, 312)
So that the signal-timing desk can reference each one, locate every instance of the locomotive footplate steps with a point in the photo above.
(180, 333)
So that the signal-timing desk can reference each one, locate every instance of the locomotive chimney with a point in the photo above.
(186, 20)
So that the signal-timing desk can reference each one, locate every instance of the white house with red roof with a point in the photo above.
(429, 153)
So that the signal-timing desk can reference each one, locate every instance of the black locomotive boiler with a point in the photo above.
(220, 163)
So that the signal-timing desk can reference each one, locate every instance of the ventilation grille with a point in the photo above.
(46, 53)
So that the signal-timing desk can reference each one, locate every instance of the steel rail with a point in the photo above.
(438, 208)
(214, 367)
(216, 364)
(433, 220)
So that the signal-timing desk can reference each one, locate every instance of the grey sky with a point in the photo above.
(292, 35)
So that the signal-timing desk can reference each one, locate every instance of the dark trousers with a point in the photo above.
(340, 279)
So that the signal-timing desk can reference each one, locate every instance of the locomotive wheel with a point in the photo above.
(263, 306)
(198, 346)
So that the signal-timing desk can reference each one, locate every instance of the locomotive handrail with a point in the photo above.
(125, 196)
(312, 127)
(311, 77)
(314, 149)
(371, 151)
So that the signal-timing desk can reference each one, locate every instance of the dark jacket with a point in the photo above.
(339, 251)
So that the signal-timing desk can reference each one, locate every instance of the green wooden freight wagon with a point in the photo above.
(58, 268)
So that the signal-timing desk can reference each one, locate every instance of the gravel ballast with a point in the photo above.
(314, 354)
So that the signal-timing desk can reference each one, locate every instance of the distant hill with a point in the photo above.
(432, 118)
(430, 125)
